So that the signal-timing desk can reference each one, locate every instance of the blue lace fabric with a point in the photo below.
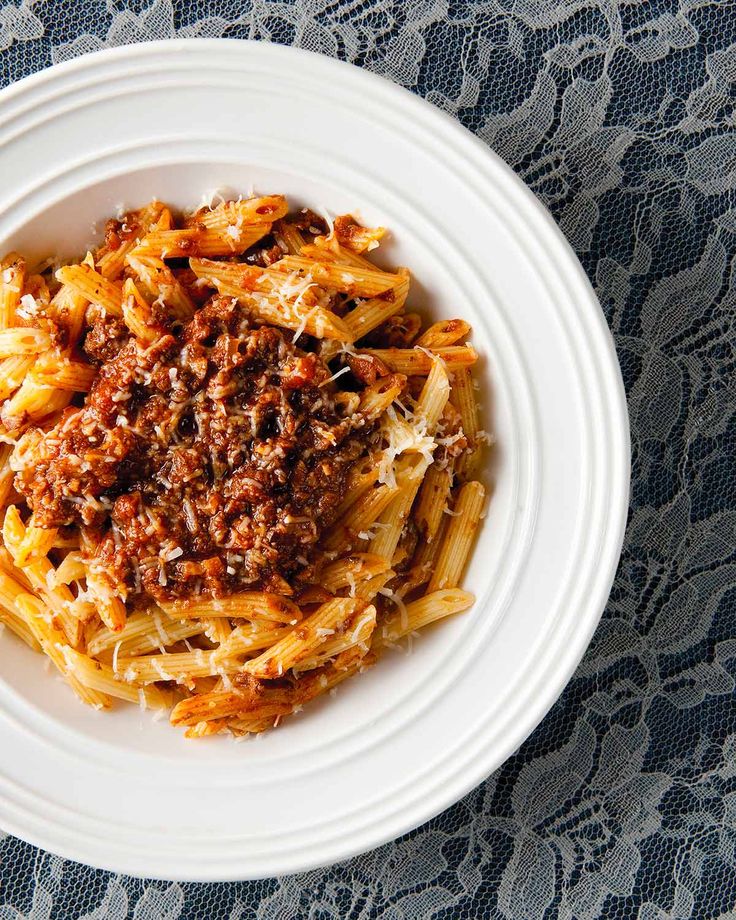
(620, 115)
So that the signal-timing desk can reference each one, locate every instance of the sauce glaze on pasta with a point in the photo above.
(234, 467)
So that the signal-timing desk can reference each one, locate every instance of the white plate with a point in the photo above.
(407, 739)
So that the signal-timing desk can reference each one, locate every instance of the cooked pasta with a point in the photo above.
(234, 469)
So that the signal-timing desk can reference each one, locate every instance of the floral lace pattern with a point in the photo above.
(620, 115)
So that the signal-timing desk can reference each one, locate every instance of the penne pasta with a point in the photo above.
(243, 212)
(137, 314)
(433, 606)
(356, 633)
(443, 334)
(377, 398)
(13, 372)
(196, 241)
(347, 572)
(161, 286)
(349, 279)
(52, 643)
(303, 639)
(181, 667)
(62, 373)
(143, 632)
(419, 362)
(248, 605)
(12, 280)
(263, 296)
(359, 518)
(394, 518)
(463, 398)
(213, 501)
(95, 676)
(249, 699)
(370, 313)
(90, 284)
(25, 341)
(40, 575)
(459, 536)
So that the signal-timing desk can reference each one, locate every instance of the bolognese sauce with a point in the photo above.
(207, 462)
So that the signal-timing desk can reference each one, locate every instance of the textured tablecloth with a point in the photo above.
(621, 117)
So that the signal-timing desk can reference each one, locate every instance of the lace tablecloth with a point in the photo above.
(621, 116)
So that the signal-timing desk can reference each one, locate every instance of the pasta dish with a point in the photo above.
(234, 467)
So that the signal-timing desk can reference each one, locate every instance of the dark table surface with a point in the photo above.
(623, 802)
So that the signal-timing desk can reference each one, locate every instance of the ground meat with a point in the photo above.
(210, 461)
(105, 338)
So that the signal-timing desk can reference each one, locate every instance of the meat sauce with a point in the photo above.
(207, 463)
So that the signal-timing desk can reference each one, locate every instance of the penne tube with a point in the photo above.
(110, 606)
(137, 314)
(13, 372)
(40, 575)
(348, 571)
(91, 285)
(356, 632)
(7, 474)
(32, 402)
(217, 630)
(258, 723)
(418, 362)
(349, 279)
(377, 397)
(264, 296)
(162, 287)
(181, 667)
(252, 638)
(433, 606)
(110, 262)
(459, 537)
(204, 729)
(23, 341)
(328, 249)
(445, 333)
(36, 544)
(368, 590)
(462, 397)
(221, 704)
(12, 281)
(69, 308)
(288, 237)
(362, 476)
(143, 632)
(248, 605)
(52, 644)
(10, 590)
(322, 680)
(304, 639)
(193, 241)
(359, 518)
(263, 209)
(61, 373)
(434, 396)
(369, 314)
(394, 518)
(433, 499)
(96, 676)
(71, 568)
